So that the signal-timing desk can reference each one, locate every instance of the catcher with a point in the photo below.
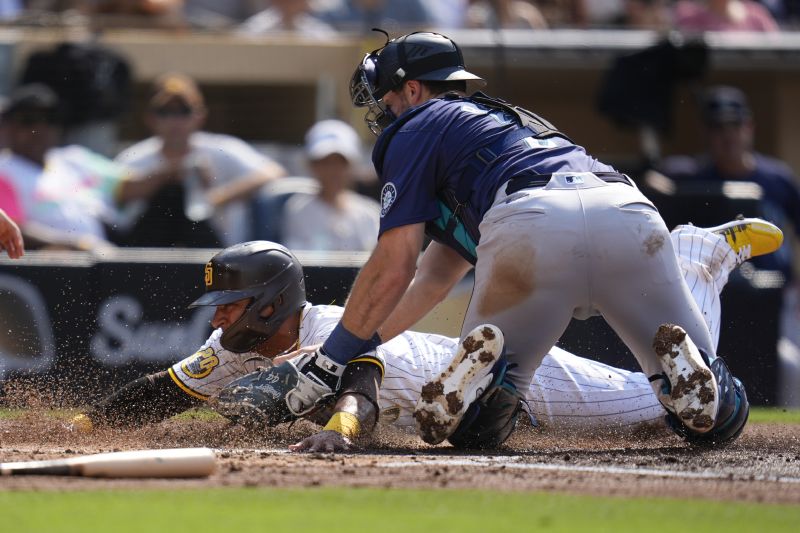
(263, 322)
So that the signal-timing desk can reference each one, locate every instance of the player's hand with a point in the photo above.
(10, 237)
(80, 424)
(326, 441)
(292, 355)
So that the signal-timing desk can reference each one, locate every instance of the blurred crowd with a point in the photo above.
(323, 18)
(180, 187)
(68, 182)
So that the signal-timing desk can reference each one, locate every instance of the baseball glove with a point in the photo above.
(259, 398)
(265, 398)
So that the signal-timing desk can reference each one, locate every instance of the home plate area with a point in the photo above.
(762, 466)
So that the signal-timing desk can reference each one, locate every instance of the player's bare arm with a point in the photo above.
(383, 280)
(246, 185)
(142, 186)
(439, 270)
(146, 400)
(10, 237)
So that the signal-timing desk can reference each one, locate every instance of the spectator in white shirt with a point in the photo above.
(207, 178)
(336, 218)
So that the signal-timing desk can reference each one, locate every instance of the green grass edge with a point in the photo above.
(386, 510)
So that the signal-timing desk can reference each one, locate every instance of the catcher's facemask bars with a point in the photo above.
(362, 89)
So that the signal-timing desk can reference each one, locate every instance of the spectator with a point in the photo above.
(602, 13)
(729, 128)
(448, 13)
(9, 203)
(65, 197)
(361, 16)
(93, 84)
(137, 13)
(723, 15)
(10, 9)
(136, 7)
(287, 16)
(565, 13)
(335, 218)
(204, 180)
(655, 15)
(215, 14)
(505, 14)
(785, 12)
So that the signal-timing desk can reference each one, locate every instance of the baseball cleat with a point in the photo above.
(444, 400)
(693, 392)
(750, 237)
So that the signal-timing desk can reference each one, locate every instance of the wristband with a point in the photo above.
(342, 345)
(344, 423)
(372, 343)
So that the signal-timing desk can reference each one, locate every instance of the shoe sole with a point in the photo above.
(444, 400)
(764, 236)
(694, 391)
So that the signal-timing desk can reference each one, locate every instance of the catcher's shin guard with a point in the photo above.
(731, 417)
(491, 418)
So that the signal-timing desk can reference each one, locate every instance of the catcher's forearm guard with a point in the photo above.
(363, 377)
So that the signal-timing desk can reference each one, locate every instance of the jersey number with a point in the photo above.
(201, 364)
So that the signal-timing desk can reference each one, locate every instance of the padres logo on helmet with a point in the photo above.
(209, 274)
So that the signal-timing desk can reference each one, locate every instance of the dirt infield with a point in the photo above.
(763, 466)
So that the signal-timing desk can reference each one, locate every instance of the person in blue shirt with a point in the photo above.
(729, 128)
(552, 233)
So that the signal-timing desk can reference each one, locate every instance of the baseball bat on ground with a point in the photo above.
(177, 462)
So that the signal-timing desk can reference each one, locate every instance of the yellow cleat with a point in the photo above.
(750, 237)
(81, 424)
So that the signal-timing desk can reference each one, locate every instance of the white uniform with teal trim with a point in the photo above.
(567, 390)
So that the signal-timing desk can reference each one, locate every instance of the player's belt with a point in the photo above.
(529, 181)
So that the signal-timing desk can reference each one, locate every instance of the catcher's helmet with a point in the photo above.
(425, 56)
(264, 271)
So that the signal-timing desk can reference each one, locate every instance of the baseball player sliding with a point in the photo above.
(262, 320)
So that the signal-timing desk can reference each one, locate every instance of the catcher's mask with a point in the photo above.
(266, 273)
(425, 56)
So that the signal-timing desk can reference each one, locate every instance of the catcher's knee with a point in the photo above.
(490, 420)
(731, 415)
